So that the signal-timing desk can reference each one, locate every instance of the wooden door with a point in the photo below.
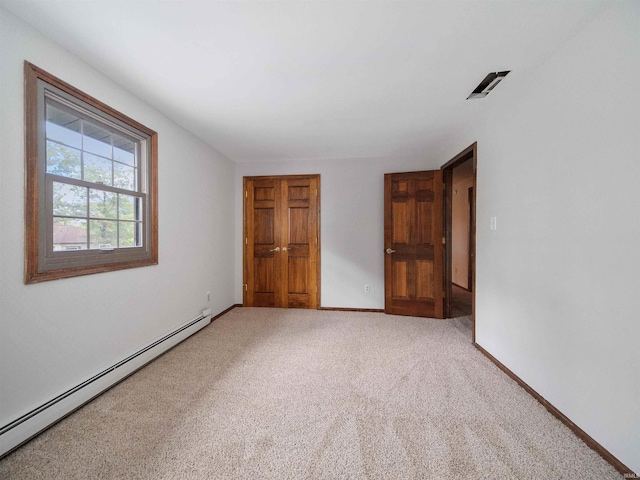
(413, 234)
(281, 261)
(299, 256)
(262, 243)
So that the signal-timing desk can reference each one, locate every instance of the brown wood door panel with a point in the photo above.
(281, 241)
(261, 219)
(300, 205)
(413, 233)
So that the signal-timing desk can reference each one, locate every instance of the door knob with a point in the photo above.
(277, 249)
(389, 251)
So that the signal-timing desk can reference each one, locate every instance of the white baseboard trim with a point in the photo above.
(27, 426)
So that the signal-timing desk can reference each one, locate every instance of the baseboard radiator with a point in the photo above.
(27, 426)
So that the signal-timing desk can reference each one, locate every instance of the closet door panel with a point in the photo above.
(262, 239)
(281, 251)
(300, 208)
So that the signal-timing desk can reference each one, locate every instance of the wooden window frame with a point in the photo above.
(37, 224)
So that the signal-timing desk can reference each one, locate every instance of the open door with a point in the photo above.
(413, 236)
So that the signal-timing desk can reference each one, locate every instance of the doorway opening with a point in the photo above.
(459, 175)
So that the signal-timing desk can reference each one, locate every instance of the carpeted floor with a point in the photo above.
(268, 393)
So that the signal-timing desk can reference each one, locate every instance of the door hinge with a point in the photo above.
(246, 194)
(444, 241)
(245, 286)
(246, 240)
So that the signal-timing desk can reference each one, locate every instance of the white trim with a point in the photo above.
(24, 431)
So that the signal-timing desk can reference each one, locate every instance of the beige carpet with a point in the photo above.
(267, 393)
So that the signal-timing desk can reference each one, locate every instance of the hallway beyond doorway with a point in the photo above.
(460, 301)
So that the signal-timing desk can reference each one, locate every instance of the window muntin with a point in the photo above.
(96, 171)
(83, 150)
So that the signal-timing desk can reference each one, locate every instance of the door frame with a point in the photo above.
(244, 230)
(470, 254)
(468, 154)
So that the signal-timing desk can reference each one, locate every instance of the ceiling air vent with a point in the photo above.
(488, 84)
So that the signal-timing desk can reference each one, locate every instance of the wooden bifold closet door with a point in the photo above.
(281, 245)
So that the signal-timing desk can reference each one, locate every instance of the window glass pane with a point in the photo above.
(96, 140)
(124, 150)
(69, 200)
(63, 127)
(97, 169)
(102, 204)
(64, 161)
(103, 234)
(129, 234)
(69, 234)
(129, 207)
(124, 176)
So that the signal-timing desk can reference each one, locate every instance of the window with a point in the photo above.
(91, 185)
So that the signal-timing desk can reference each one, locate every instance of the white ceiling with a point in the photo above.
(311, 80)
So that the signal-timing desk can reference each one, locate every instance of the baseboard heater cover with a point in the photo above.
(27, 426)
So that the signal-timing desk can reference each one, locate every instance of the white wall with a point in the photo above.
(351, 223)
(557, 282)
(55, 334)
(558, 290)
